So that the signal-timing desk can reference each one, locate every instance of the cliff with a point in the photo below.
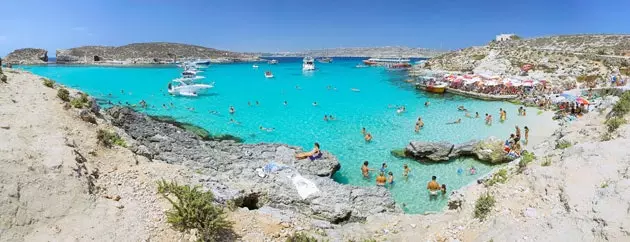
(27, 56)
(560, 59)
(146, 53)
(388, 51)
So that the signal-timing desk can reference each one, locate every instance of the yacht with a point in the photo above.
(325, 60)
(308, 64)
(255, 66)
(187, 87)
(268, 74)
(385, 61)
(273, 62)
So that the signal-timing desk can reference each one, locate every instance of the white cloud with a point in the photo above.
(79, 28)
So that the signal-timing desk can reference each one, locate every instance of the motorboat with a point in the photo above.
(255, 66)
(190, 73)
(437, 87)
(268, 74)
(187, 87)
(325, 60)
(308, 64)
(272, 62)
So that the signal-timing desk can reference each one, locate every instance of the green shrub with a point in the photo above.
(193, 209)
(515, 37)
(546, 162)
(301, 237)
(63, 94)
(80, 102)
(500, 177)
(526, 158)
(614, 123)
(199, 131)
(3, 78)
(607, 136)
(49, 83)
(478, 57)
(108, 138)
(586, 78)
(484, 205)
(563, 144)
(622, 107)
(540, 112)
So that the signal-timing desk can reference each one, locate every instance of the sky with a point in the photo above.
(290, 25)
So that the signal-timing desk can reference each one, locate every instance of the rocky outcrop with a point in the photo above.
(146, 53)
(489, 150)
(27, 56)
(233, 171)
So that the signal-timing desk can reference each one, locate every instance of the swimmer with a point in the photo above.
(419, 124)
(363, 131)
(390, 179)
(476, 114)
(122, 91)
(365, 170)
(406, 171)
(520, 111)
(285, 103)
(213, 112)
(249, 103)
(368, 137)
(443, 189)
(383, 167)
(232, 110)
(355, 89)
(172, 105)
(191, 109)
(401, 109)
(314, 104)
(472, 170)
(380, 179)
(164, 106)
(232, 121)
(331, 117)
(325, 117)
(257, 103)
(459, 120)
(462, 108)
(427, 103)
(297, 87)
(266, 129)
(467, 115)
(524, 112)
(518, 131)
(110, 94)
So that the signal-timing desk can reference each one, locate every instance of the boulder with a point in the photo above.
(27, 56)
(490, 150)
(439, 151)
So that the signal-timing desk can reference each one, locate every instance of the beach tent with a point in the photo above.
(582, 100)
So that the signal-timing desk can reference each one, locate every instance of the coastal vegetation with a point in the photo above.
(194, 209)
(500, 177)
(63, 94)
(48, 83)
(622, 107)
(199, 131)
(546, 162)
(526, 158)
(80, 102)
(108, 138)
(478, 57)
(614, 123)
(301, 237)
(484, 205)
(563, 144)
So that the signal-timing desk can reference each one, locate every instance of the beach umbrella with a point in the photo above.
(582, 100)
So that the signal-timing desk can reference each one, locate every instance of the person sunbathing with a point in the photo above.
(313, 153)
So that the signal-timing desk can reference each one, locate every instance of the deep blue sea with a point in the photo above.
(301, 123)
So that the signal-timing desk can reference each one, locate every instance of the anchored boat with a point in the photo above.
(268, 74)
(308, 64)
(187, 87)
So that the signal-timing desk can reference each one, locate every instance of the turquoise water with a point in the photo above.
(300, 123)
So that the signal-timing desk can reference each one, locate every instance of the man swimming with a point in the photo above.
(266, 129)
(459, 120)
(462, 108)
(314, 103)
(476, 114)
(232, 110)
(363, 131)
(380, 179)
(406, 171)
(368, 137)
(427, 103)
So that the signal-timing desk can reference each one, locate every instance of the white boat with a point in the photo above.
(386, 61)
(308, 64)
(361, 66)
(255, 66)
(268, 74)
(325, 60)
(273, 62)
(186, 87)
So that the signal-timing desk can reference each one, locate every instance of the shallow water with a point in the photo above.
(300, 123)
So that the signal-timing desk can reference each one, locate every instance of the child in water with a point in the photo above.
(443, 189)
(384, 167)
(473, 171)
(390, 179)
(406, 171)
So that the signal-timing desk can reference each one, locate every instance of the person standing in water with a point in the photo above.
(326, 118)
(363, 131)
(406, 171)
(232, 110)
(365, 170)
(443, 190)
(390, 179)
(518, 131)
(476, 114)
(419, 124)
(526, 134)
(384, 167)
(381, 179)
(433, 187)
(368, 137)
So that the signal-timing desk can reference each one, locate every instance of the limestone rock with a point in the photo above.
(27, 56)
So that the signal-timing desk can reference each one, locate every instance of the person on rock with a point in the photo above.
(313, 153)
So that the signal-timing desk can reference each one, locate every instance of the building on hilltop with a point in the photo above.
(504, 37)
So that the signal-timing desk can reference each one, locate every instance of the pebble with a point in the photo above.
(120, 206)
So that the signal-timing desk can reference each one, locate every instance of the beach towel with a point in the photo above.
(315, 157)
(304, 186)
(273, 167)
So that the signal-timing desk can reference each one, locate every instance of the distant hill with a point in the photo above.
(27, 56)
(388, 51)
(561, 59)
(146, 53)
